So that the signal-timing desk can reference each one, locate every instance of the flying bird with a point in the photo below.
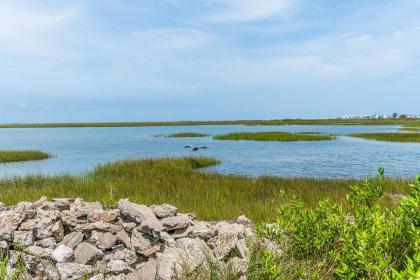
(194, 149)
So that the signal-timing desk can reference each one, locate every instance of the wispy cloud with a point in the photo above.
(30, 30)
(209, 49)
(251, 10)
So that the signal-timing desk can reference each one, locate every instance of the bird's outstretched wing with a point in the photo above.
(189, 146)
(203, 147)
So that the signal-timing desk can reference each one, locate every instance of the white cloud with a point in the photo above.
(251, 10)
(28, 30)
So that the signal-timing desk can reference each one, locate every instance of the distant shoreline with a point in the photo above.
(404, 122)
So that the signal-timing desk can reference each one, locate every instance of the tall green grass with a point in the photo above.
(391, 137)
(273, 136)
(177, 181)
(12, 156)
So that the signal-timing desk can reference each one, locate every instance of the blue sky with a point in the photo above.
(138, 60)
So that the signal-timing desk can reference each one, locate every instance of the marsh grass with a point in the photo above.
(186, 135)
(13, 156)
(178, 182)
(406, 122)
(274, 136)
(391, 137)
(410, 129)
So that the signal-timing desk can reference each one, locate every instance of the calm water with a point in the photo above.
(78, 150)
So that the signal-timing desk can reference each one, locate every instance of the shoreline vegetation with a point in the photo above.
(15, 156)
(410, 129)
(178, 181)
(413, 137)
(403, 122)
(274, 136)
(184, 135)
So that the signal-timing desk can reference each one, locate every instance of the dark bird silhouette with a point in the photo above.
(195, 149)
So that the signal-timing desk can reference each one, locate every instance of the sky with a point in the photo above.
(169, 60)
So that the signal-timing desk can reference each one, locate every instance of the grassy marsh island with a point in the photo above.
(176, 181)
(274, 136)
(13, 156)
(410, 129)
(308, 132)
(186, 135)
(391, 137)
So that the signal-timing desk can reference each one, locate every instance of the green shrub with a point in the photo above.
(366, 242)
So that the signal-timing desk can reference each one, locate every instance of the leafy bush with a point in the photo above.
(367, 242)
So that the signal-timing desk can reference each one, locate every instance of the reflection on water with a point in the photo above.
(78, 150)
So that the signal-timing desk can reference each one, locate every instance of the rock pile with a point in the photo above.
(74, 239)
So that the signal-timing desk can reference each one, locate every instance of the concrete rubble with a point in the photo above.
(73, 239)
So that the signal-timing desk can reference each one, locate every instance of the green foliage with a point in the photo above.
(264, 264)
(273, 136)
(411, 272)
(20, 268)
(12, 156)
(367, 242)
(3, 266)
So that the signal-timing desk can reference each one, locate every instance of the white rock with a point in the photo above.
(176, 222)
(141, 214)
(62, 254)
(80, 208)
(170, 264)
(103, 240)
(25, 238)
(125, 254)
(28, 225)
(69, 219)
(123, 237)
(6, 233)
(46, 243)
(102, 226)
(195, 249)
(57, 231)
(39, 251)
(72, 239)
(164, 210)
(243, 220)
(146, 270)
(61, 203)
(117, 267)
(43, 228)
(99, 276)
(104, 216)
(121, 276)
(86, 253)
(242, 249)
(73, 271)
(167, 239)
(201, 230)
(225, 240)
(144, 245)
(3, 245)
